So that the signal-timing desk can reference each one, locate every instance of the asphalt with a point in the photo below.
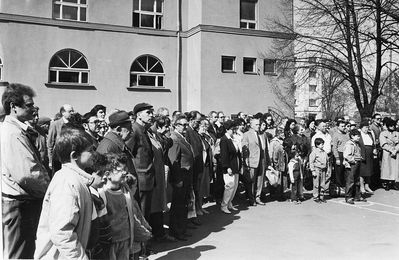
(283, 230)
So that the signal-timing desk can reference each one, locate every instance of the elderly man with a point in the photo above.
(182, 161)
(24, 177)
(66, 112)
(141, 148)
(254, 157)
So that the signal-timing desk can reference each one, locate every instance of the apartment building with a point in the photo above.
(181, 54)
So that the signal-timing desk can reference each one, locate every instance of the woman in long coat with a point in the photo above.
(389, 141)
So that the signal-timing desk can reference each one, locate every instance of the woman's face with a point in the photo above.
(263, 126)
(365, 129)
(292, 125)
(101, 114)
(311, 125)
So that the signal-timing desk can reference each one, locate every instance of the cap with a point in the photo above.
(118, 117)
(140, 107)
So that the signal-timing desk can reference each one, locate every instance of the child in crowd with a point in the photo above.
(295, 173)
(100, 233)
(318, 162)
(278, 162)
(142, 230)
(352, 159)
(119, 204)
(65, 220)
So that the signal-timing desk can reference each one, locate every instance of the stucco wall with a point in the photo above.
(109, 55)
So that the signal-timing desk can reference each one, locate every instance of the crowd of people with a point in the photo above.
(92, 186)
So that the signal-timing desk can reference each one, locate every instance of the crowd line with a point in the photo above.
(94, 186)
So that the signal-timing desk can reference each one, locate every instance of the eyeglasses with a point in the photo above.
(183, 125)
(378, 118)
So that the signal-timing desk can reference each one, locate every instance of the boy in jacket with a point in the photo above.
(318, 163)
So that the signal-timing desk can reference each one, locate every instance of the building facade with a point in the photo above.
(182, 54)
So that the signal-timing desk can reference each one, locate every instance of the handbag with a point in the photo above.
(273, 176)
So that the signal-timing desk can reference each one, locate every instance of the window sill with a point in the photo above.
(149, 89)
(229, 71)
(250, 73)
(3, 83)
(270, 74)
(69, 86)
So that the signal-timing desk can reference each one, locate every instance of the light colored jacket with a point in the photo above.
(64, 225)
(22, 170)
(251, 148)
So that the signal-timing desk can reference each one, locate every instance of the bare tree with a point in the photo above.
(352, 38)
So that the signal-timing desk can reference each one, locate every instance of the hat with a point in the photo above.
(118, 117)
(140, 107)
(43, 120)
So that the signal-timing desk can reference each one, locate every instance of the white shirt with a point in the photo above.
(367, 140)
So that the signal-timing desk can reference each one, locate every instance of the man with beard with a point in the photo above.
(90, 124)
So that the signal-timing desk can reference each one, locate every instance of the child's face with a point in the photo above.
(118, 175)
(98, 180)
(320, 146)
(85, 159)
(356, 138)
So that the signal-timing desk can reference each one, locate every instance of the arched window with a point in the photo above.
(146, 71)
(69, 66)
(1, 70)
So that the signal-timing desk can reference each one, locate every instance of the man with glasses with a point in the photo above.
(181, 157)
(24, 177)
(90, 124)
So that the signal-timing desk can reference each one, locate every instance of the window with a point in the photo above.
(69, 66)
(248, 14)
(249, 65)
(146, 71)
(312, 103)
(312, 88)
(269, 66)
(312, 73)
(147, 13)
(1, 70)
(228, 64)
(75, 10)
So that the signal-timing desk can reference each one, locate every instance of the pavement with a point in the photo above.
(283, 230)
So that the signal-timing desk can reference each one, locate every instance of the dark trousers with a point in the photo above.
(352, 188)
(156, 223)
(145, 203)
(252, 178)
(218, 186)
(178, 210)
(375, 179)
(339, 172)
(20, 221)
(296, 187)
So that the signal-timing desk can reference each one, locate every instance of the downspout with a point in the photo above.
(179, 57)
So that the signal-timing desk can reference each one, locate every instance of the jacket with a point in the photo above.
(230, 157)
(251, 148)
(181, 158)
(318, 160)
(140, 145)
(65, 220)
(53, 132)
(23, 173)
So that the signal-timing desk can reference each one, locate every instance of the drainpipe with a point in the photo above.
(179, 57)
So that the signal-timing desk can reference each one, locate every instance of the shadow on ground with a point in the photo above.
(189, 253)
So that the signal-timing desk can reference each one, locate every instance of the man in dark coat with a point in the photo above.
(140, 145)
(114, 140)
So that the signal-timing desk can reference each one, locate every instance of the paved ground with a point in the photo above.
(282, 230)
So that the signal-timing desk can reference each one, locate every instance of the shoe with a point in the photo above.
(297, 202)
(349, 201)
(232, 208)
(395, 186)
(317, 200)
(205, 211)
(361, 199)
(225, 210)
(199, 213)
(302, 199)
(259, 202)
(252, 203)
(196, 222)
(323, 200)
(167, 238)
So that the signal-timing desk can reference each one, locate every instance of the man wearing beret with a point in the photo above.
(140, 145)
(114, 140)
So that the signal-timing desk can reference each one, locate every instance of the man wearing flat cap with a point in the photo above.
(140, 145)
(114, 140)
